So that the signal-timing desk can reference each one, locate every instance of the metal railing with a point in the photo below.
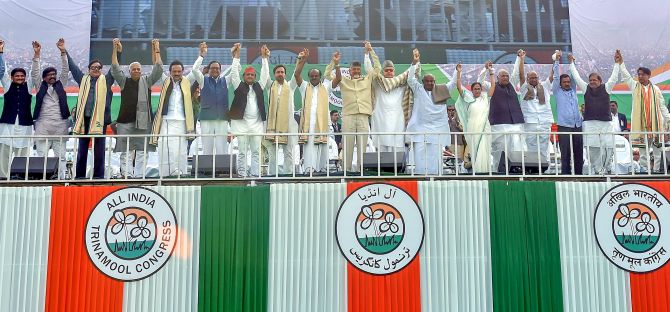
(388, 21)
(422, 156)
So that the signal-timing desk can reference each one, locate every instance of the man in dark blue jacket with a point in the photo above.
(93, 113)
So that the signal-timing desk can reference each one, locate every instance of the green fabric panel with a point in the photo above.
(525, 252)
(234, 234)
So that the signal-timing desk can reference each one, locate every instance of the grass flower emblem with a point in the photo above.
(141, 229)
(645, 224)
(123, 221)
(370, 216)
(627, 215)
(389, 224)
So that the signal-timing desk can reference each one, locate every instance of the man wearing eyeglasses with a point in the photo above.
(93, 113)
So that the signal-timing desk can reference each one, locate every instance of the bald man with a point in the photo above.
(534, 96)
(428, 117)
(135, 111)
(505, 116)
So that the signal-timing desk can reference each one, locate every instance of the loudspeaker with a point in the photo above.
(386, 161)
(204, 164)
(531, 163)
(36, 168)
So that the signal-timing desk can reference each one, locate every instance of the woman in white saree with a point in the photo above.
(473, 111)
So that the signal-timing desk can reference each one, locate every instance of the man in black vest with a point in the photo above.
(16, 119)
(247, 114)
(505, 116)
(51, 111)
(597, 117)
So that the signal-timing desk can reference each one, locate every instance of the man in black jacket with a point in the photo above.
(51, 110)
(16, 119)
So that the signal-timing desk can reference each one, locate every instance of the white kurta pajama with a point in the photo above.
(387, 114)
(315, 156)
(427, 117)
(287, 149)
(537, 116)
(599, 147)
(172, 150)
(251, 128)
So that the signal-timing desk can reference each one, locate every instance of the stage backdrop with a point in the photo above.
(486, 246)
(24, 21)
(638, 28)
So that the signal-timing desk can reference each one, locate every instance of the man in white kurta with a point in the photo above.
(314, 120)
(176, 119)
(280, 118)
(387, 114)
(427, 117)
(249, 126)
(534, 97)
(599, 147)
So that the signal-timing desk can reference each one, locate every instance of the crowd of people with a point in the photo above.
(404, 112)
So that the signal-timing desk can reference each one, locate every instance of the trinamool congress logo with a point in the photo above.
(131, 233)
(629, 226)
(379, 228)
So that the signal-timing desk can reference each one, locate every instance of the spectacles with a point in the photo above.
(95, 67)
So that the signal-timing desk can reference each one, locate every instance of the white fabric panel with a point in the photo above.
(456, 252)
(306, 270)
(175, 286)
(25, 214)
(590, 282)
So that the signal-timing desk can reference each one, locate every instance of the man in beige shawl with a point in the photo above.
(280, 117)
(314, 120)
(649, 113)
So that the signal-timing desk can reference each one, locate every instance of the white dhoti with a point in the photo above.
(172, 149)
(315, 156)
(502, 140)
(599, 147)
(537, 141)
(249, 136)
(644, 155)
(217, 144)
(427, 158)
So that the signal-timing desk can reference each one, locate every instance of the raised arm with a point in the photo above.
(625, 75)
(118, 75)
(459, 85)
(556, 82)
(614, 77)
(334, 63)
(581, 84)
(300, 64)
(412, 79)
(372, 65)
(3, 67)
(233, 76)
(518, 76)
(195, 70)
(65, 70)
(35, 68)
(486, 85)
(157, 70)
(265, 80)
(492, 77)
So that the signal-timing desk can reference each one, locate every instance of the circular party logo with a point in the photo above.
(379, 228)
(629, 229)
(131, 233)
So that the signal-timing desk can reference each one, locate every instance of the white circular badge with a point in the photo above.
(131, 233)
(379, 228)
(629, 226)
